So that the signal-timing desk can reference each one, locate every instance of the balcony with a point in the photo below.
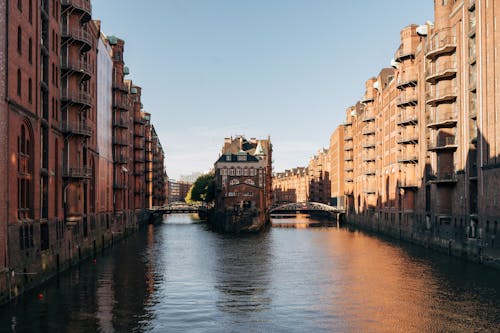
(442, 178)
(368, 118)
(368, 131)
(348, 147)
(472, 27)
(408, 98)
(121, 159)
(367, 99)
(121, 123)
(404, 53)
(443, 120)
(369, 144)
(120, 86)
(77, 34)
(140, 133)
(349, 169)
(122, 106)
(120, 142)
(348, 158)
(348, 137)
(140, 121)
(369, 158)
(407, 80)
(369, 191)
(77, 172)
(404, 158)
(76, 128)
(472, 55)
(82, 6)
(405, 120)
(411, 138)
(119, 185)
(441, 95)
(347, 123)
(369, 172)
(76, 97)
(409, 184)
(77, 67)
(441, 42)
(441, 71)
(471, 5)
(443, 144)
(348, 179)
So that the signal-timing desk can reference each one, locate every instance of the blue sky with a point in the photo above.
(285, 68)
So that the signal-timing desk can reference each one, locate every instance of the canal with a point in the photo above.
(181, 277)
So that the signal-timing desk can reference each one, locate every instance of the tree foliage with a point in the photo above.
(203, 189)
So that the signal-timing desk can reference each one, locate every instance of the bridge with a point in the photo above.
(180, 208)
(307, 208)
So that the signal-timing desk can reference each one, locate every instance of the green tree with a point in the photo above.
(203, 189)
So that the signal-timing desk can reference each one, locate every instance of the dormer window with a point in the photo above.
(228, 158)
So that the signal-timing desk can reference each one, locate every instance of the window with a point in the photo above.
(20, 5)
(234, 182)
(44, 236)
(24, 174)
(19, 92)
(238, 172)
(30, 91)
(228, 158)
(30, 51)
(30, 11)
(231, 172)
(19, 40)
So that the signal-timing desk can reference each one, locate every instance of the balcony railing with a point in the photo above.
(407, 119)
(369, 158)
(368, 118)
(120, 86)
(119, 185)
(77, 66)
(472, 26)
(78, 128)
(410, 138)
(348, 147)
(409, 97)
(124, 106)
(120, 142)
(471, 5)
(441, 42)
(121, 159)
(407, 80)
(78, 97)
(404, 53)
(439, 71)
(441, 95)
(78, 34)
(407, 158)
(77, 172)
(443, 119)
(82, 5)
(443, 144)
(120, 123)
(368, 144)
(408, 183)
(369, 130)
(442, 177)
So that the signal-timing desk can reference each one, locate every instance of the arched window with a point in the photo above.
(24, 174)
(30, 91)
(19, 40)
(30, 11)
(19, 83)
(30, 50)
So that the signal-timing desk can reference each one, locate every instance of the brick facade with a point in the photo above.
(57, 135)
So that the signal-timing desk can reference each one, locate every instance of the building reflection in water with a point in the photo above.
(242, 274)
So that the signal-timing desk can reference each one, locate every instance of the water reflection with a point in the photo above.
(180, 276)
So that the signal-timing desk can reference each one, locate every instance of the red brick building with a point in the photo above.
(67, 138)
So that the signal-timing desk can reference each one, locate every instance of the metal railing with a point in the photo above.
(76, 33)
(77, 65)
(84, 5)
(76, 97)
(77, 172)
(80, 128)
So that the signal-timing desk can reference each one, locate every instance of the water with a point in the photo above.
(181, 277)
